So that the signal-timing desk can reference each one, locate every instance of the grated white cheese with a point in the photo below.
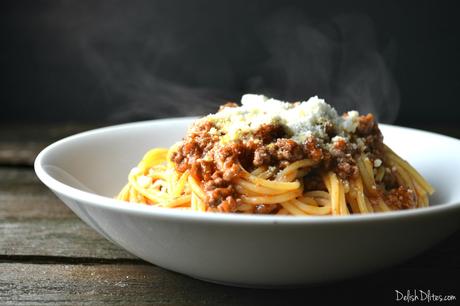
(377, 163)
(301, 120)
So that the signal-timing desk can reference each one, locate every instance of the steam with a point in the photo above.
(153, 59)
(336, 60)
(131, 58)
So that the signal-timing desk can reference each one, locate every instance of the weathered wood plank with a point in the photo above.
(34, 222)
(72, 238)
(10, 176)
(26, 284)
(55, 237)
(38, 132)
(20, 153)
(22, 196)
(20, 143)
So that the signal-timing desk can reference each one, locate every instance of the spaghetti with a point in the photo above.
(272, 157)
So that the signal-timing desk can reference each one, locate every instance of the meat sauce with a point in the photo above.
(217, 165)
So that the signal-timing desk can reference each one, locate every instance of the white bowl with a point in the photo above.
(87, 169)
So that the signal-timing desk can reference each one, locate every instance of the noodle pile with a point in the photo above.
(208, 173)
(155, 181)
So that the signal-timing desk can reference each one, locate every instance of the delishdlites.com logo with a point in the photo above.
(417, 295)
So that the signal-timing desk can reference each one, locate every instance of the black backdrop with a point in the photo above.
(117, 61)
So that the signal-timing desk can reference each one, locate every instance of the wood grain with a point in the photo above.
(35, 222)
(20, 143)
(126, 284)
(23, 196)
(55, 237)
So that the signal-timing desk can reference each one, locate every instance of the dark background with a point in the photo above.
(118, 61)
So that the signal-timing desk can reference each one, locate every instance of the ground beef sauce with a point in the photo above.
(216, 165)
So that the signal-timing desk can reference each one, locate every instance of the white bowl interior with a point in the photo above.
(99, 161)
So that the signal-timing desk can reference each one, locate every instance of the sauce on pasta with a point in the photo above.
(272, 157)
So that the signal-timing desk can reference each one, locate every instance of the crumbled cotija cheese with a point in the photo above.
(301, 120)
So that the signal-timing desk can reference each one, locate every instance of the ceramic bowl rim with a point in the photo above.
(148, 211)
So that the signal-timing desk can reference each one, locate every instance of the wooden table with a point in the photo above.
(47, 255)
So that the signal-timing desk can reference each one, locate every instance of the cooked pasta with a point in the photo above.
(272, 157)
